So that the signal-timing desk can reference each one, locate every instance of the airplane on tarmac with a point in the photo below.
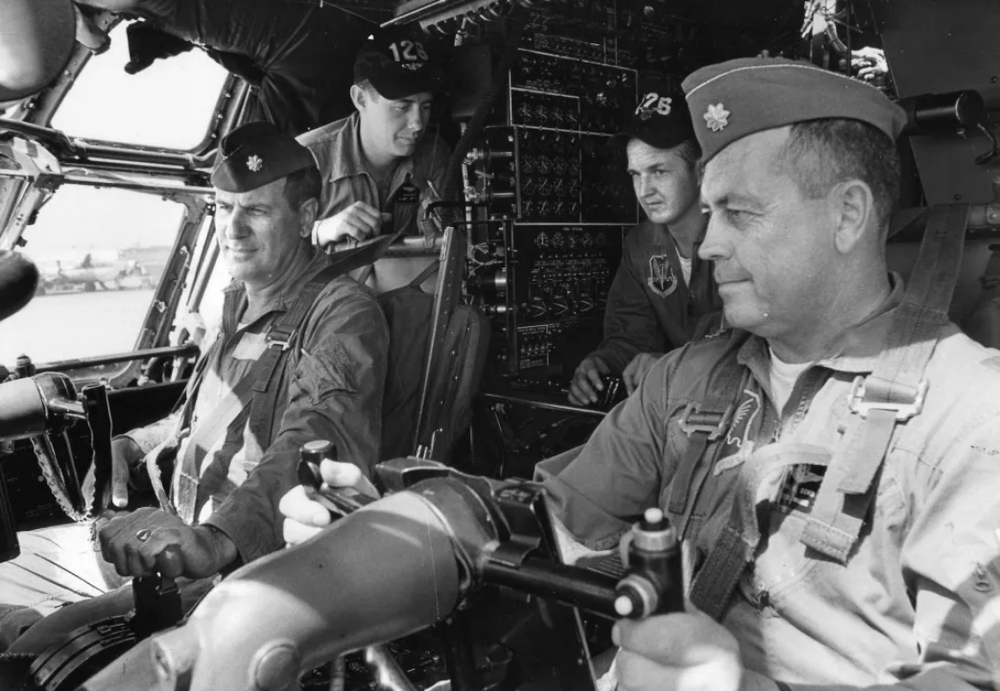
(104, 269)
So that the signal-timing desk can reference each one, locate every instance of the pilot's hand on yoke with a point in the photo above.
(125, 455)
(149, 541)
(636, 370)
(304, 516)
(359, 221)
(587, 381)
(685, 651)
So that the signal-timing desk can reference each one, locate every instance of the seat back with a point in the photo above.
(410, 313)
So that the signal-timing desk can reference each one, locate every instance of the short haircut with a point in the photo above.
(822, 153)
(690, 151)
(369, 88)
(302, 185)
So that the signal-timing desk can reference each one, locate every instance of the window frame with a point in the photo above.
(183, 174)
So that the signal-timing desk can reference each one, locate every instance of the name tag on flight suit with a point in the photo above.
(407, 193)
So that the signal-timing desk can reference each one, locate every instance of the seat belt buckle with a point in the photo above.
(904, 410)
(710, 422)
(283, 343)
(280, 339)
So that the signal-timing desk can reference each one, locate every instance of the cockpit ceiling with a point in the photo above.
(299, 52)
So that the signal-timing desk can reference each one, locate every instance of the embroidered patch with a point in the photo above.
(653, 103)
(716, 117)
(738, 444)
(255, 163)
(661, 280)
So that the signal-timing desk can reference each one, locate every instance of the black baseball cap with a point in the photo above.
(397, 64)
(661, 119)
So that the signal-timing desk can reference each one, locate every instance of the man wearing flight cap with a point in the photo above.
(300, 355)
(832, 461)
(377, 166)
(661, 290)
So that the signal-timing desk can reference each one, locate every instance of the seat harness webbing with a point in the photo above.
(893, 393)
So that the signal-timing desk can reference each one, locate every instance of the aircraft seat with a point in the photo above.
(453, 381)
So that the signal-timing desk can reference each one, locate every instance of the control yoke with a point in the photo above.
(42, 407)
(386, 570)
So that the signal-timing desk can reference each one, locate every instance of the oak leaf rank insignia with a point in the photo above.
(716, 117)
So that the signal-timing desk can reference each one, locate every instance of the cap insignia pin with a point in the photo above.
(255, 163)
(716, 117)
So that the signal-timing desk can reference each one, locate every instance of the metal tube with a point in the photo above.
(116, 153)
(84, 180)
(574, 586)
(63, 365)
(410, 15)
(525, 398)
(81, 149)
(386, 670)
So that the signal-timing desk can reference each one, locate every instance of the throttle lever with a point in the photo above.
(157, 602)
(337, 500)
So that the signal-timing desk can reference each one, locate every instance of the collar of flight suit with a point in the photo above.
(857, 351)
(347, 158)
(282, 301)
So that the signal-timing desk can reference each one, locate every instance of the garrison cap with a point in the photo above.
(661, 119)
(397, 64)
(733, 99)
(255, 154)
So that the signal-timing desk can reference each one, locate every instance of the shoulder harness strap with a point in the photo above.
(704, 422)
(894, 392)
(255, 388)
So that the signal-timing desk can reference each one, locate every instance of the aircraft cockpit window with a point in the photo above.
(100, 253)
(167, 105)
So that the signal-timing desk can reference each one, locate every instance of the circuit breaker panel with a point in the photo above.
(557, 202)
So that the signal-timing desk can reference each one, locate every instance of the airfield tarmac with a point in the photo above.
(74, 325)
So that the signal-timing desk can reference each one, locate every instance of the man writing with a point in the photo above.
(831, 462)
(376, 166)
(661, 290)
(327, 340)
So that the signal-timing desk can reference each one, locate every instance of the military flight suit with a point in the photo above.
(337, 150)
(332, 388)
(917, 603)
(650, 308)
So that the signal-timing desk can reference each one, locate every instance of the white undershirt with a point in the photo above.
(685, 269)
(783, 378)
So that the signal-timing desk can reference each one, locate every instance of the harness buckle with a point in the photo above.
(904, 410)
(280, 338)
(283, 343)
(710, 422)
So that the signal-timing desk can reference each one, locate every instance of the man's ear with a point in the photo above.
(853, 209)
(307, 216)
(358, 97)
